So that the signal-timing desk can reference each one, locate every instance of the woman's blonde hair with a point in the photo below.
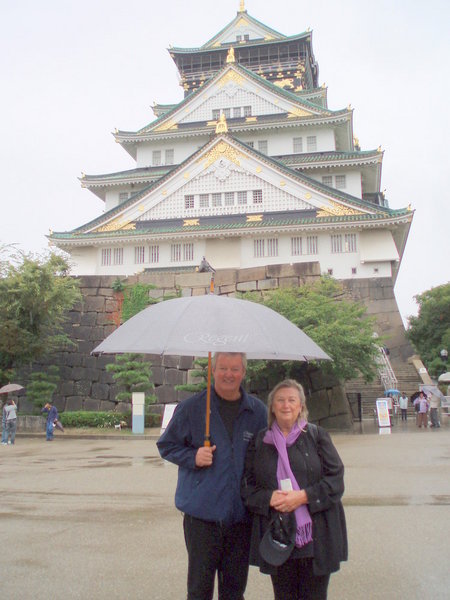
(288, 383)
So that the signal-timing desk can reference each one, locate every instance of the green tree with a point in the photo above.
(429, 332)
(133, 375)
(340, 326)
(35, 295)
(42, 386)
(200, 373)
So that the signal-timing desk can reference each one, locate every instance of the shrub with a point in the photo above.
(84, 418)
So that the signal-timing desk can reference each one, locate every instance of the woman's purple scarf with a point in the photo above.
(275, 437)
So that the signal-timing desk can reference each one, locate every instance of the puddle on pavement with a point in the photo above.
(437, 500)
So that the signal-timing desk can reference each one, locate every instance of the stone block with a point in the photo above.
(91, 404)
(165, 394)
(106, 292)
(89, 318)
(250, 274)
(186, 292)
(275, 271)
(185, 362)
(106, 405)
(89, 281)
(171, 362)
(246, 286)
(227, 289)
(174, 377)
(104, 318)
(159, 280)
(201, 291)
(100, 391)
(74, 403)
(90, 362)
(92, 374)
(225, 277)
(288, 282)
(123, 407)
(158, 375)
(82, 388)
(194, 279)
(73, 359)
(105, 377)
(94, 304)
(78, 373)
(183, 395)
(338, 422)
(105, 359)
(267, 284)
(96, 334)
(110, 306)
(66, 388)
(156, 294)
(83, 333)
(31, 423)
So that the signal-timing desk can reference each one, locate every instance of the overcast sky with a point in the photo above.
(72, 71)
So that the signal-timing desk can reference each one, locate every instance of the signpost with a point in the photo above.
(383, 416)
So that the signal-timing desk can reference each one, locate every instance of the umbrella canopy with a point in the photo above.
(394, 392)
(198, 325)
(444, 378)
(432, 389)
(10, 387)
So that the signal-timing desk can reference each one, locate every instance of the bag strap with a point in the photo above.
(313, 431)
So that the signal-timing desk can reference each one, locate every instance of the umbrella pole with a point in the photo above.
(208, 405)
(208, 389)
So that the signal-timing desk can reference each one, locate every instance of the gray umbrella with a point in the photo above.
(10, 387)
(198, 325)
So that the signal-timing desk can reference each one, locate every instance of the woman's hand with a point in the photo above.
(288, 501)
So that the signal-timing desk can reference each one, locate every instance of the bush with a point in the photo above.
(84, 418)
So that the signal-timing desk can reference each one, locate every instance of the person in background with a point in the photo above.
(10, 411)
(435, 403)
(216, 523)
(292, 468)
(4, 424)
(403, 403)
(422, 413)
(52, 418)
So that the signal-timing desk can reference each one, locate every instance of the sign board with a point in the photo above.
(168, 414)
(383, 412)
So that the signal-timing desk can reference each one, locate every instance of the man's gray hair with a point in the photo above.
(241, 354)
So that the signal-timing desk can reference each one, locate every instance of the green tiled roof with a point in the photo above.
(314, 157)
(225, 46)
(130, 174)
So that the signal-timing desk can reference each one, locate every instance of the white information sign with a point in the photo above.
(383, 412)
(168, 414)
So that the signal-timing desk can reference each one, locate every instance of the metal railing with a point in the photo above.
(385, 371)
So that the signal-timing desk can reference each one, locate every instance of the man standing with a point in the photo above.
(216, 524)
(403, 403)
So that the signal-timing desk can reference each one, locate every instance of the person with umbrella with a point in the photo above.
(216, 523)
(9, 416)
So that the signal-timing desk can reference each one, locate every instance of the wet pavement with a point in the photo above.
(94, 518)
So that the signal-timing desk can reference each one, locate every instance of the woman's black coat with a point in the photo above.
(319, 471)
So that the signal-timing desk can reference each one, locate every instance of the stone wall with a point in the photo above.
(86, 385)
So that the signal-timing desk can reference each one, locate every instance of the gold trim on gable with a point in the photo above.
(242, 22)
(251, 119)
(230, 76)
(190, 222)
(298, 112)
(221, 150)
(116, 225)
(171, 124)
(337, 210)
(254, 218)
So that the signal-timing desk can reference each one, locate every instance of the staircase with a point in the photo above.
(408, 381)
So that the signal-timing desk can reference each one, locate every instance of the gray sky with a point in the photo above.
(72, 71)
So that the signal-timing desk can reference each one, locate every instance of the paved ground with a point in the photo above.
(94, 519)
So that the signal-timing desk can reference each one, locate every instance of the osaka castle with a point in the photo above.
(249, 168)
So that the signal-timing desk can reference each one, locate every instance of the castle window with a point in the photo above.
(139, 255)
(175, 252)
(350, 242)
(188, 252)
(153, 254)
(336, 244)
(156, 158)
(312, 244)
(272, 247)
(251, 144)
(216, 114)
(296, 246)
(204, 200)
(237, 112)
(327, 180)
(242, 198)
(216, 199)
(123, 196)
(257, 197)
(229, 198)
(311, 143)
(247, 111)
(298, 145)
(118, 256)
(353, 270)
(169, 156)
(263, 146)
(189, 202)
(340, 182)
(258, 248)
(227, 112)
(106, 257)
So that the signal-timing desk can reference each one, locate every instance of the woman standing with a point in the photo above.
(293, 470)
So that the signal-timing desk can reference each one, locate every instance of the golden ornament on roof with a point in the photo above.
(241, 6)
(230, 55)
(222, 126)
